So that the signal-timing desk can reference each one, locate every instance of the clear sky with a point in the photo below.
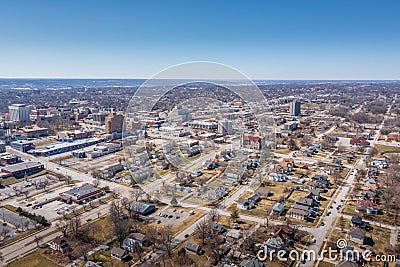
(323, 39)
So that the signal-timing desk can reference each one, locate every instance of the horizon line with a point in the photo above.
(129, 78)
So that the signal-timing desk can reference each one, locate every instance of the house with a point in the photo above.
(319, 181)
(59, 244)
(243, 204)
(234, 174)
(252, 263)
(132, 240)
(276, 177)
(347, 253)
(314, 194)
(254, 199)
(357, 221)
(395, 136)
(263, 192)
(278, 209)
(119, 253)
(309, 202)
(358, 141)
(236, 234)
(299, 214)
(287, 165)
(368, 194)
(366, 206)
(380, 164)
(357, 235)
(274, 244)
(284, 232)
(93, 264)
(219, 228)
(192, 247)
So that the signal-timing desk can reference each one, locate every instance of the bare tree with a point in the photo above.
(152, 235)
(136, 194)
(213, 215)
(38, 239)
(137, 250)
(166, 236)
(63, 227)
(202, 229)
(68, 179)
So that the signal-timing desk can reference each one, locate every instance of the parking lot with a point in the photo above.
(86, 165)
(48, 210)
(171, 216)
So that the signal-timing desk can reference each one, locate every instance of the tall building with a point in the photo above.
(179, 115)
(19, 112)
(294, 108)
(225, 127)
(114, 123)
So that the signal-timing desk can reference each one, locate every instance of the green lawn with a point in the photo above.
(33, 260)
(387, 149)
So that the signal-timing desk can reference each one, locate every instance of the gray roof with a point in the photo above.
(305, 201)
(22, 166)
(192, 247)
(301, 212)
(118, 252)
(82, 191)
(141, 207)
(357, 232)
(137, 236)
(252, 263)
(278, 207)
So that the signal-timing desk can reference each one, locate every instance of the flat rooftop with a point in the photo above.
(62, 145)
(21, 166)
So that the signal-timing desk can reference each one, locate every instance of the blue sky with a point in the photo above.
(337, 39)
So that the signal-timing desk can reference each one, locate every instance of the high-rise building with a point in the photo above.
(294, 108)
(114, 123)
(225, 127)
(19, 112)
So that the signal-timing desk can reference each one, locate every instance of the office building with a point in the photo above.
(225, 127)
(22, 145)
(114, 123)
(81, 194)
(294, 108)
(19, 112)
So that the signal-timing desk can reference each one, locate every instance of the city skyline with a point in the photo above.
(269, 41)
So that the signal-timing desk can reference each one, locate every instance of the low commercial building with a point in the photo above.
(7, 159)
(143, 208)
(81, 194)
(22, 145)
(103, 149)
(62, 147)
(205, 125)
(22, 169)
(33, 132)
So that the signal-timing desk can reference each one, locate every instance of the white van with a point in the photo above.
(191, 212)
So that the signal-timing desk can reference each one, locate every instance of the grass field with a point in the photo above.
(387, 149)
(35, 259)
